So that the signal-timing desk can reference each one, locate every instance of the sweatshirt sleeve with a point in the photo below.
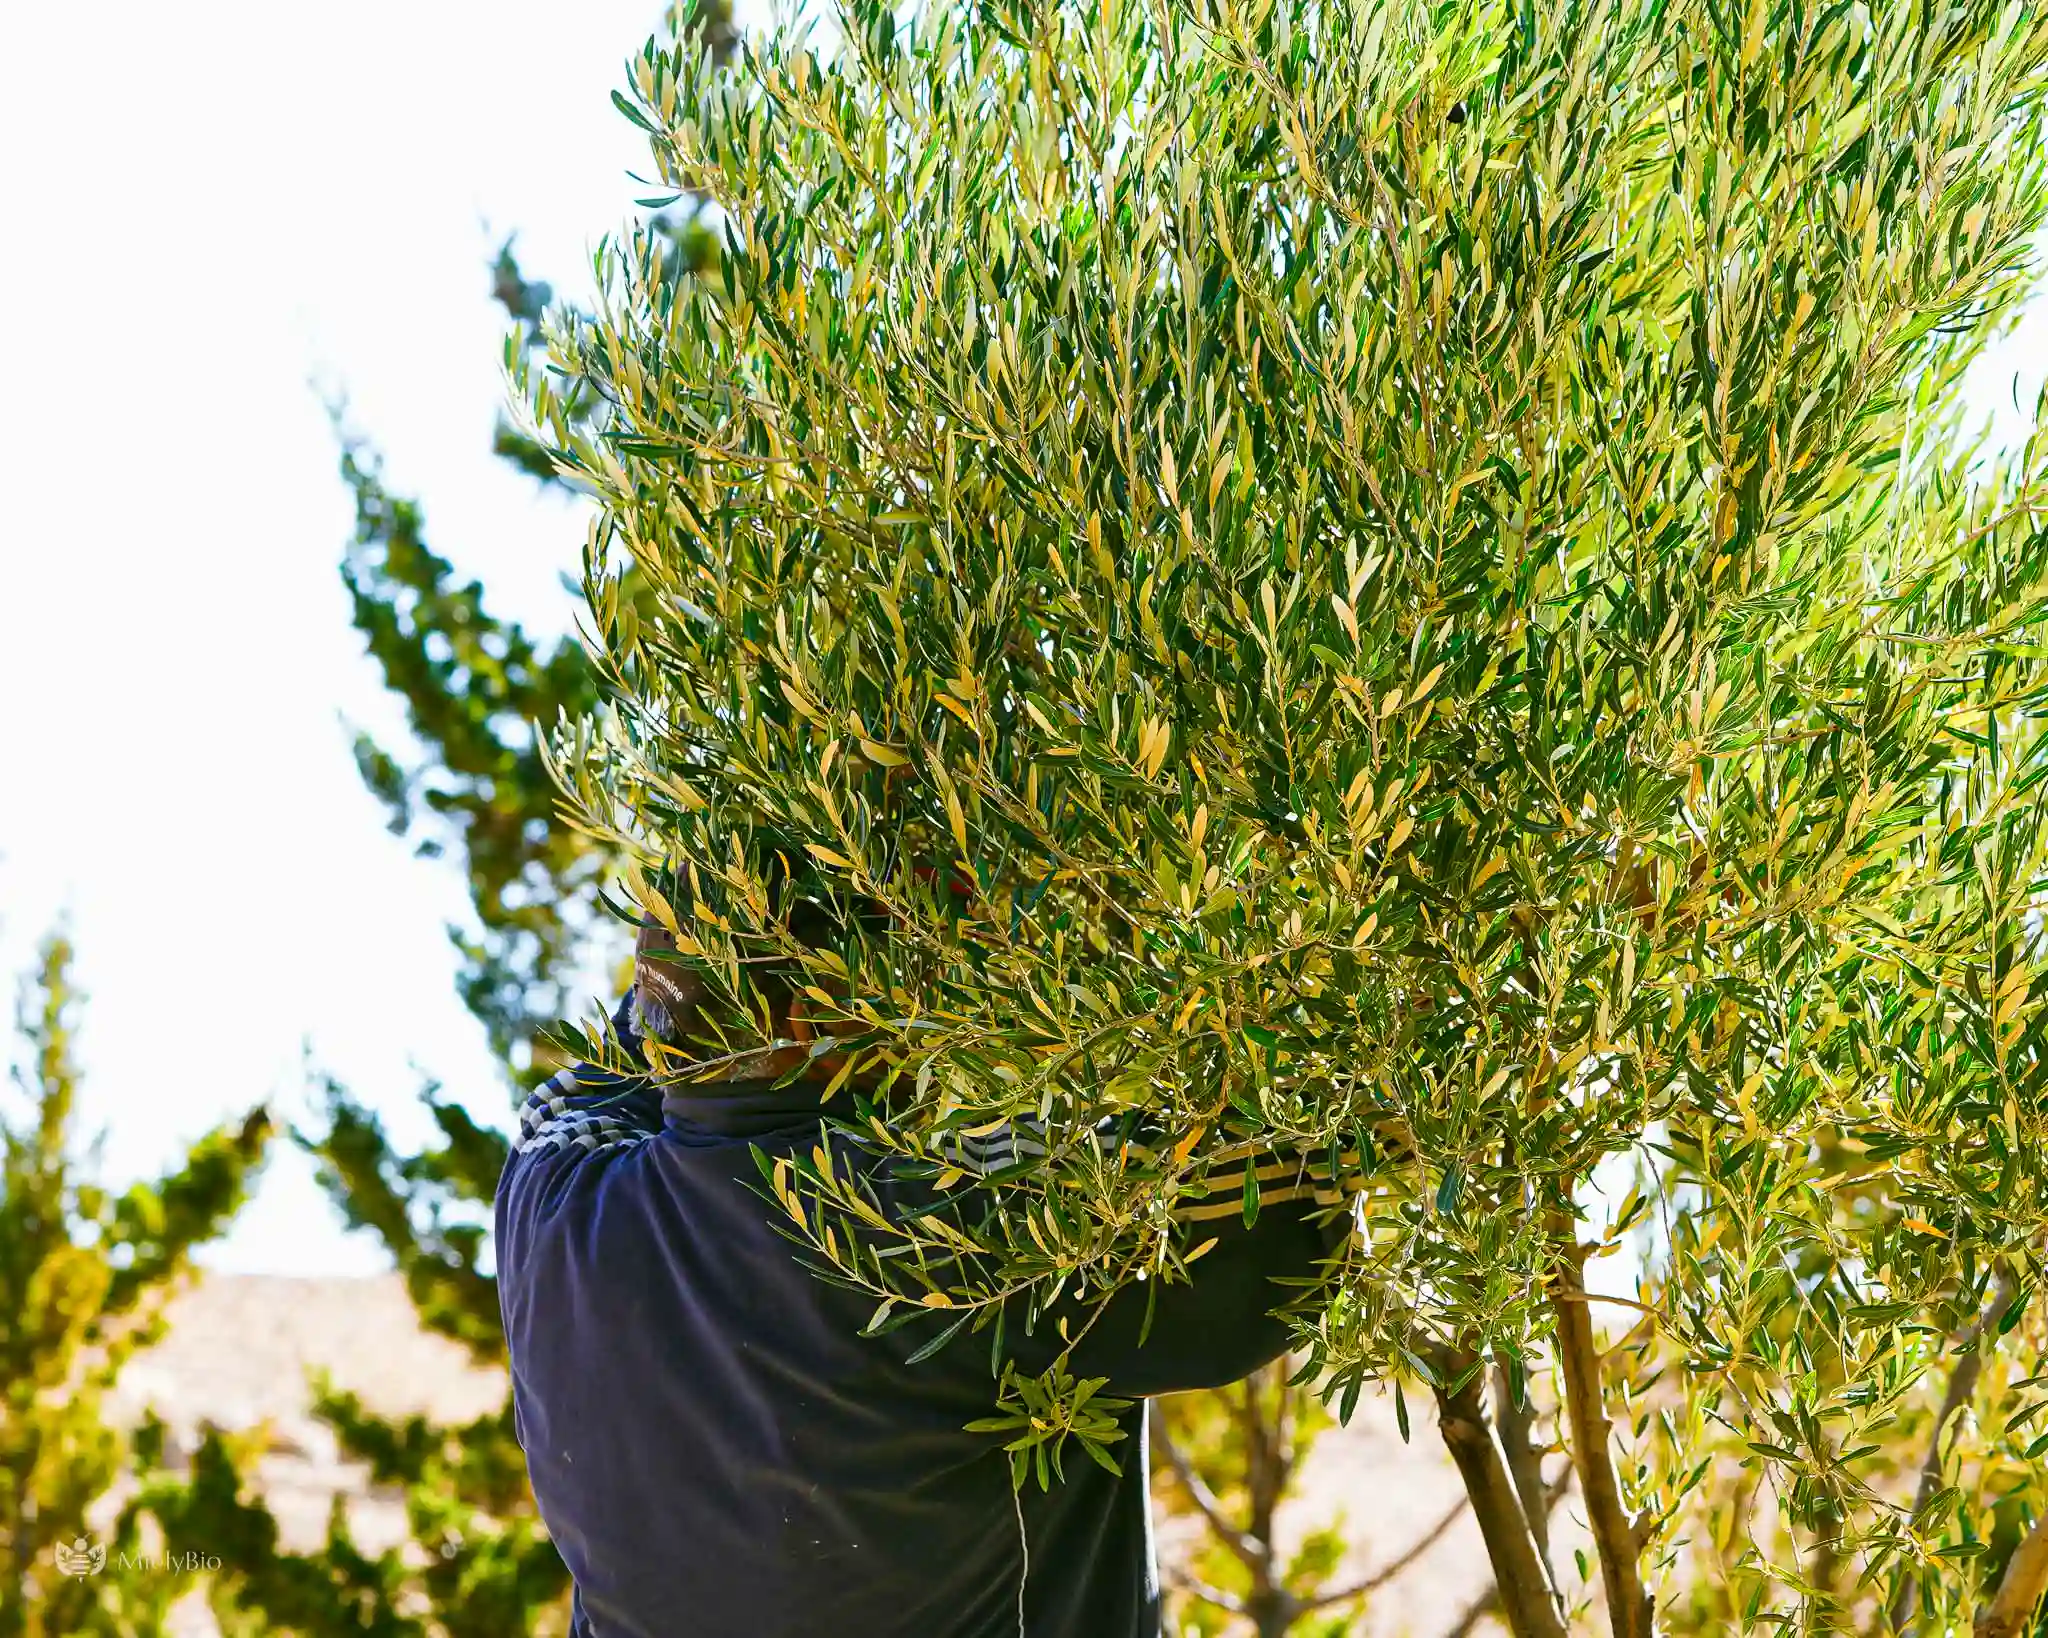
(574, 1130)
(1221, 1322)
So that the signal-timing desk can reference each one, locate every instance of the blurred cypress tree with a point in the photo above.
(84, 1278)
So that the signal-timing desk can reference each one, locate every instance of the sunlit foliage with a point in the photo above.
(1384, 582)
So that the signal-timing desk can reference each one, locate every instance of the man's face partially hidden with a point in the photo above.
(669, 995)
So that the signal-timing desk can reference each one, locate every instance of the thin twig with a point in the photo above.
(1478, 1610)
(1580, 1294)
(1380, 1577)
(1201, 1589)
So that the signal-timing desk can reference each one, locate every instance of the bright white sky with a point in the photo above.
(205, 208)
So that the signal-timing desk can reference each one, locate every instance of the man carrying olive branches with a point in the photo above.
(717, 1448)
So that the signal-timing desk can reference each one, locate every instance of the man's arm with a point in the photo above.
(572, 1129)
(1219, 1323)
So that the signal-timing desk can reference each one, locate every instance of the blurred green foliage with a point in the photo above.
(85, 1274)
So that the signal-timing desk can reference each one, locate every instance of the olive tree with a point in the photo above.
(1394, 588)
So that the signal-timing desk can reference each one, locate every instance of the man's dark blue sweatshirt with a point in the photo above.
(717, 1451)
